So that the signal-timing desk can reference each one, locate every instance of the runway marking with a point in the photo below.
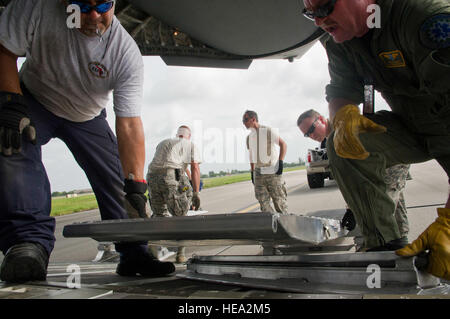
(246, 210)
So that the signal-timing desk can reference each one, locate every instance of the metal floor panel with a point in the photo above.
(329, 273)
(216, 229)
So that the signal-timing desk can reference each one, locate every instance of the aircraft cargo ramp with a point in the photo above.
(302, 254)
(302, 257)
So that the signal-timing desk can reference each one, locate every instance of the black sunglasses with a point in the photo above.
(311, 128)
(246, 119)
(321, 12)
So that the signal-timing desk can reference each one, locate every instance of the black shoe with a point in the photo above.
(24, 262)
(403, 241)
(395, 244)
(143, 264)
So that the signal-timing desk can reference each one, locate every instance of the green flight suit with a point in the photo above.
(408, 61)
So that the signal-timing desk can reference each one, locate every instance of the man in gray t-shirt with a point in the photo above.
(169, 189)
(266, 164)
(62, 91)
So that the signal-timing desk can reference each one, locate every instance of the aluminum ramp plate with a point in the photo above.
(319, 273)
(216, 229)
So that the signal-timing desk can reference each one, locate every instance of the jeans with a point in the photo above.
(25, 195)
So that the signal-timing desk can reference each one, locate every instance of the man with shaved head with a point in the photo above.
(170, 192)
(404, 54)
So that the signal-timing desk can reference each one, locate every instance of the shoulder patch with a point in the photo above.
(435, 32)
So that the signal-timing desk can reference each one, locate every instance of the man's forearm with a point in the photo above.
(283, 149)
(9, 76)
(195, 173)
(131, 143)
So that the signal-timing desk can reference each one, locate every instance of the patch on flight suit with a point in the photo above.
(392, 59)
(435, 32)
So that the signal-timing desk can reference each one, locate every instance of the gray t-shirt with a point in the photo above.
(175, 153)
(263, 146)
(68, 72)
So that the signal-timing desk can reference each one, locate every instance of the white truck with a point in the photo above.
(317, 167)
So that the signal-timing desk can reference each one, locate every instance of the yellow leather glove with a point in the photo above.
(348, 123)
(436, 238)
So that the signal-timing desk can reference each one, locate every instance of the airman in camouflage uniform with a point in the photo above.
(266, 164)
(170, 192)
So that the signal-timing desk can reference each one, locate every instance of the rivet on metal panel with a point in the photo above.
(274, 223)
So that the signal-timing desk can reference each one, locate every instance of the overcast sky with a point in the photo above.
(212, 101)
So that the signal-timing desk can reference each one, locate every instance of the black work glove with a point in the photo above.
(280, 167)
(14, 121)
(348, 221)
(196, 201)
(253, 177)
(135, 195)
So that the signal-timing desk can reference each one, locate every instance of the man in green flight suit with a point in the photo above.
(402, 49)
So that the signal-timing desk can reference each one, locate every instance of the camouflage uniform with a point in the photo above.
(267, 183)
(407, 59)
(395, 180)
(167, 196)
(271, 186)
(170, 193)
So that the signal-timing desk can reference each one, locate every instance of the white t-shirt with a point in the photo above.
(175, 153)
(263, 146)
(64, 69)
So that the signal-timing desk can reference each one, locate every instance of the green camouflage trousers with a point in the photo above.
(395, 180)
(362, 183)
(167, 196)
(269, 186)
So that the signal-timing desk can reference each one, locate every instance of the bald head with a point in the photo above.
(184, 132)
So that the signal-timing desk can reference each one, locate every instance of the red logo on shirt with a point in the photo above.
(98, 69)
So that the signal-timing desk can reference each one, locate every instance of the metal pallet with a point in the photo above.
(319, 273)
(289, 235)
(218, 229)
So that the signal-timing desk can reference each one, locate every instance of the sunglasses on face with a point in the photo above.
(311, 128)
(100, 8)
(321, 12)
(246, 119)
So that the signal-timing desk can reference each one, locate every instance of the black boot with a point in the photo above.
(144, 264)
(24, 262)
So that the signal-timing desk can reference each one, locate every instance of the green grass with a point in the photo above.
(295, 168)
(224, 180)
(63, 206)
